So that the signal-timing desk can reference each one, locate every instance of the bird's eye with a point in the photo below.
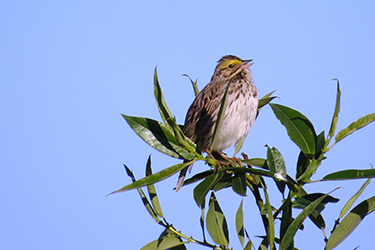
(230, 66)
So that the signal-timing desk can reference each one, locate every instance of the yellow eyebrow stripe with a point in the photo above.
(226, 63)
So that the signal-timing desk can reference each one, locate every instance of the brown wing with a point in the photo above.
(202, 114)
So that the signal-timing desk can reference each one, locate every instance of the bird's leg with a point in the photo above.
(236, 160)
(230, 160)
(225, 157)
(226, 160)
(218, 162)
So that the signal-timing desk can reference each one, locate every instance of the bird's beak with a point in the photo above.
(247, 63)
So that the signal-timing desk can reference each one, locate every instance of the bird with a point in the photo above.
(241, 111)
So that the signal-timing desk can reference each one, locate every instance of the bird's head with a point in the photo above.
(229, 66)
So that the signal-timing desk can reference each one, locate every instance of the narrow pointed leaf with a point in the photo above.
(161, 175)
(318, 220)
(216, 223)
(198, 177)
(248, 245)
(152, 191)
(335, 117)
(162, 106)
(310, 170)
(239, 145)
(302, 164)
(169, 240)
(201, 190)
(167, 116)
(306, 200)
(249, 242)
(252, 171)
(349, 204)
(356, 125)
(264, 244)
(221, 185)
(297, 222)
(239, 224)
(276, 164)
(350, 174)
(286, 219)
(202, 218)
(264, 101)
(221, 115)
(299, 128)
(154, 245)
(271, 227)
(151, 246)
(158, 136)
(239, 183)
(195, 87)
(320, 143)
(350, 222)
(145, 201)
(258, 162)
(275, 161)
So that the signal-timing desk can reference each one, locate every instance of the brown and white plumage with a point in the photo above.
(240, 112)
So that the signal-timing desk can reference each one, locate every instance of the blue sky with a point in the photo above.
(68, 69)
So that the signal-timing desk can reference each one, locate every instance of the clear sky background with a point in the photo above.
(68, 69)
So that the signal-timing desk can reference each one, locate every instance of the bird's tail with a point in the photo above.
(181, 178)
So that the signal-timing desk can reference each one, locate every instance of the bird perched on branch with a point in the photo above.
(240, 114)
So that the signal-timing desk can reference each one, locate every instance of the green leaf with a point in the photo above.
(239, 183)
(286, 219)
(239, 224)
(221, 185)
(356, 125)
(248, 245)
(299, 128)
(315, 216)
(318, 220)
(349, 204)
(350, 174)
(161, 175)
(306, 200)
(145, 201)
(216, 223)
(276, 164)
(266, 99)
(271, 227)
(221, 115)
(239, 145)
(264, 244)
(169, 240)
(201, 220)
(350, 222)
(158, 136)
(310, 170)
(151, 246)
(297, 222)
(252, 171)
(154, 246)
(201, 190)
(258, 162)
(166, 115)
(195, 87)
(335, 117)
(152, 191)
(302, 164)
(320, 143)
(249, 242)
(198, 177)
